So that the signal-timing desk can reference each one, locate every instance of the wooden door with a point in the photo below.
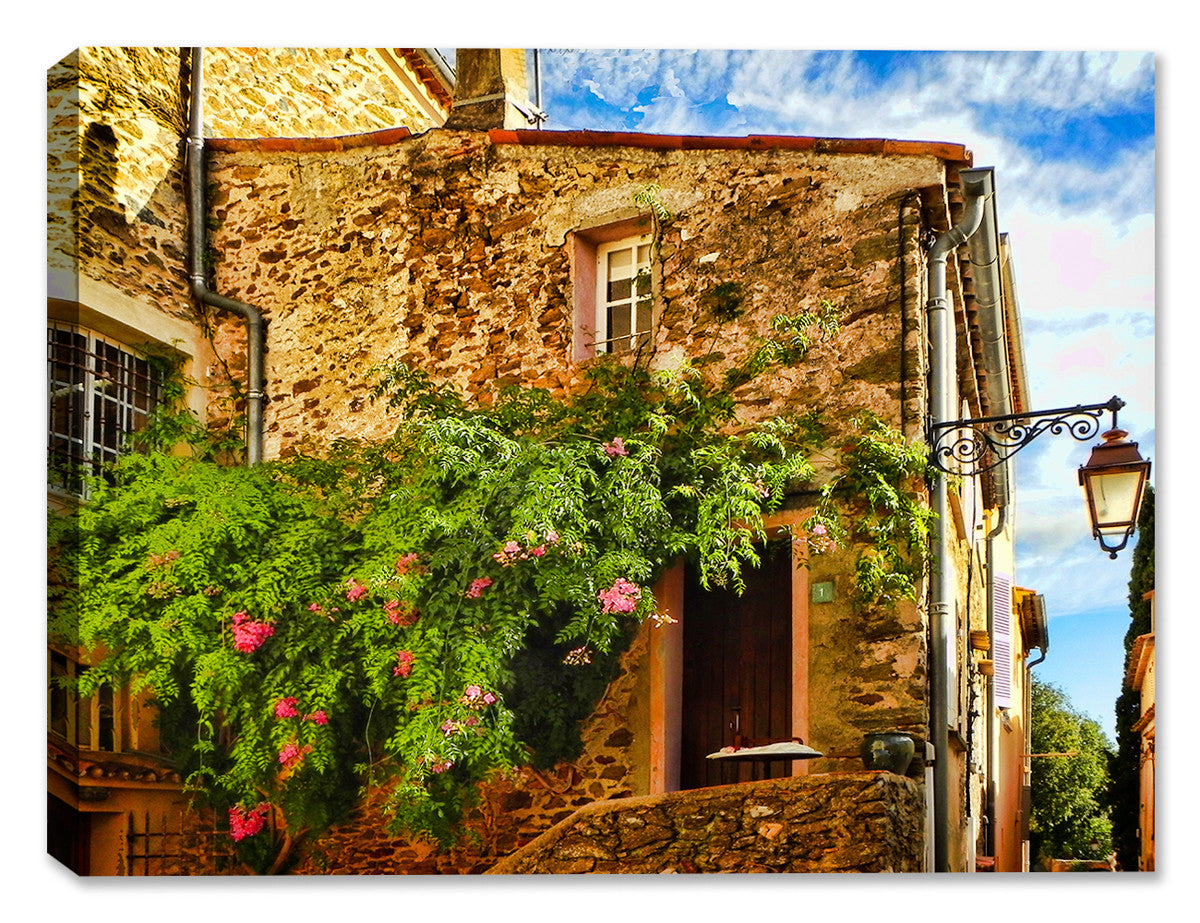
(737, 671)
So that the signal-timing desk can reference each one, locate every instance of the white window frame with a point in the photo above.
(640, 270)
(111, 409)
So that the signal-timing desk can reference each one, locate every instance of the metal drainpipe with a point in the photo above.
(993, 733)
(942, 409)
(200, 290)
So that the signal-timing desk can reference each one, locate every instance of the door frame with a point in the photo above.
(666, 660)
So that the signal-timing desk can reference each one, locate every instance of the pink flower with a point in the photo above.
(538, 551)
(622, 596)
(286, 707)
(405, 562)
(472, 692)
(315, 607)
(449, 728)
(615, 448)
(442, 765)
(398, 613)
(356, 591)
(246, 823)
(478, 586)
(318, 716)
(290, 755)
(488, 698)
(551, 537)
(249, 635)
(404, 662)
(819, 529)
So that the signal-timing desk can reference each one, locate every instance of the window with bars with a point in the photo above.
(624, 303)
(100, 392)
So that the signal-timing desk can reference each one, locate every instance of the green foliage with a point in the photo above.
(890, 523)
(1069, 819)
(1124, 791)
(422, 612)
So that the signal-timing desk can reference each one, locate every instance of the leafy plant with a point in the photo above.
(423, 612)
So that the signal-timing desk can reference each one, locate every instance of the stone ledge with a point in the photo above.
(847, 822)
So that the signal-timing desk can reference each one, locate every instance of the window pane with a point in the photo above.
(619, 328)
(620, 289)
(643, 255)
(620, 264)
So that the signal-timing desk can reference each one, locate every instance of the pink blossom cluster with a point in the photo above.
(622, 596)
(578, 656)
(291, 754)
(249, 635)
(513, 552)
(247, 823)
(355, 591)
(818, 540)
(159, 560)
(474, 697)
(404, 662)
(441, 766)
(286, 708)
(478, 586)
(405, 562)
(398, 613)
(615, 448)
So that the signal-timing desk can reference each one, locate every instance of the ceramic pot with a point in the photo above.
(888, 750)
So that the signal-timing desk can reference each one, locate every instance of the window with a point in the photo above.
(612, 281)
(91, 723)
(100, 392)
(623, 295)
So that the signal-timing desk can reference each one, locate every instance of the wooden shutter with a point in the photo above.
(1002, 639)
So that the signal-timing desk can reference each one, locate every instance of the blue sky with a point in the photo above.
(1071, 136)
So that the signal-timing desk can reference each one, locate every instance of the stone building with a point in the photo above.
(362, 207)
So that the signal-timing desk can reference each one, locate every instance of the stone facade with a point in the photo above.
(460, 251)
(853, 822)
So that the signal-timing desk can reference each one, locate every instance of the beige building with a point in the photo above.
(1139, 676)
(363, 206)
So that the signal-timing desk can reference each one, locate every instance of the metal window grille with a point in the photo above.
(100, 392)
(623, 300)
(163, 844)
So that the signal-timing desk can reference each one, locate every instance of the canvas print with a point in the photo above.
(568, 461)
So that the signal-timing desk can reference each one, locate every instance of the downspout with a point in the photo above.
(200, 290)
(984, 248)
(942, 405)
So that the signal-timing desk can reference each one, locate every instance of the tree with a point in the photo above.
(1069, 818)
(1124, 793)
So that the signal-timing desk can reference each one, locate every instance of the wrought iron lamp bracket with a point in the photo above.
(971, 447)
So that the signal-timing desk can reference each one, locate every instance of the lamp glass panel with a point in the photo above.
(1113, 498)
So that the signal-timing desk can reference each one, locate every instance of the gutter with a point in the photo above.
(976, 186)
(200, 291)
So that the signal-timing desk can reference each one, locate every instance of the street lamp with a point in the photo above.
(1113, 481)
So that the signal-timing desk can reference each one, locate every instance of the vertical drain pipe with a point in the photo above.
(200, 290)
(942, 406)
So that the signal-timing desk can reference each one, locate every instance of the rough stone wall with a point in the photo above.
(452, 252)
(854, 822)
(513, 810)
(311, 92)
(116, 206)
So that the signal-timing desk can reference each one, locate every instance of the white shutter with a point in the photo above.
(1002, 639)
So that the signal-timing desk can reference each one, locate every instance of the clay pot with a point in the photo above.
(890, 751)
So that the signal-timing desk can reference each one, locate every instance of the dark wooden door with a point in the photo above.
(737, 672)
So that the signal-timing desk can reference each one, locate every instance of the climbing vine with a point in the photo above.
(421, 612)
